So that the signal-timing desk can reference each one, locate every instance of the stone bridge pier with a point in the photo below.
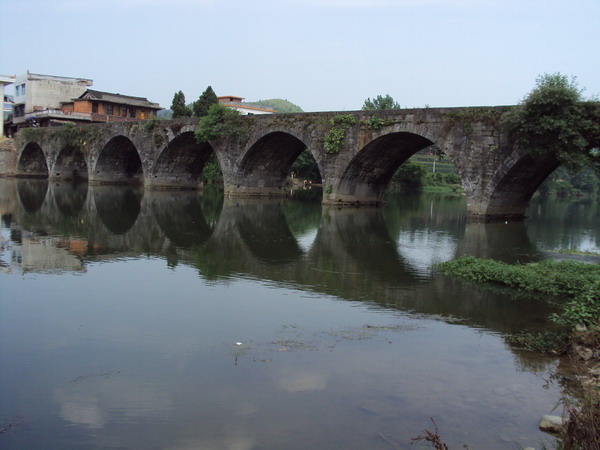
(498, 179)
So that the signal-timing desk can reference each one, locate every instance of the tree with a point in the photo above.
(306, 167)
(410, 176)
(220, 122)
(178, 106)
(554, 118)
(380, 102)
(205, 101)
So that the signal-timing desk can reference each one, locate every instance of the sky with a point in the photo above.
(322, 55)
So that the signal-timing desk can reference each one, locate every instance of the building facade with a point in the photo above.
(48, 100)
(107, 107)
(243, 108)
(6, 101)
(39, 96)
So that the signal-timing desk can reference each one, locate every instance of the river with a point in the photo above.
(178, 320)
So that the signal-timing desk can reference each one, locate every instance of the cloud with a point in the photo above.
(301, 382)
(88, 401)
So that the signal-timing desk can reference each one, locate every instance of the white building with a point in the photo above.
(35, 93)
(244, 109)
(4, 80)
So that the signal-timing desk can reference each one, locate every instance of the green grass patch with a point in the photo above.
(575, 286)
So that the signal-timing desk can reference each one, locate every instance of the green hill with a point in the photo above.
(279, 105)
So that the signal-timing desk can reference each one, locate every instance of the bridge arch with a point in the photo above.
(70, 165)
(181, 162)
(119, 162)
(265, 166)
(32, 162)
(515, 182)
(367, 175)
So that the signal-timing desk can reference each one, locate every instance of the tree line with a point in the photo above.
(199, 108)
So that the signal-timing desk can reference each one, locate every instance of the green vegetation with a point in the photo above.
(211, 174)
(305, 167)
(409, 176)
(376, 123)
(201, 106)
(577, 284)
(220, 122)
(426, 172)
(179, 107)
(568, 183)
(279, 105)
(554, 118)
(335, 137)
(78, 136)
(150, 124)
(380, 102)
(465, 117)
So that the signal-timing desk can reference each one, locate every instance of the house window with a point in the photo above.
(132, 112)
(23, 89)
(95, 108)
(108, 109)
(17, 91)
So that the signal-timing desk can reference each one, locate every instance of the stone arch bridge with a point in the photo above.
(498, 179)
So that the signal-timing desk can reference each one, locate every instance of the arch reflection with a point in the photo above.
(69, 197)
(180, 217)
(118, 207)
(32, 193)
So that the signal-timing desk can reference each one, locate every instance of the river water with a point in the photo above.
(176, 320)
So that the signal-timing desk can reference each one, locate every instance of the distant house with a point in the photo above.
(245, 109)
(38, 97)
(48, 100)
(106, 107)
(7, 100)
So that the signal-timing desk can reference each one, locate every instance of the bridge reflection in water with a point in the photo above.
(372, 255)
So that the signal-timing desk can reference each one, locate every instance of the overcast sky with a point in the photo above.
(319, 54)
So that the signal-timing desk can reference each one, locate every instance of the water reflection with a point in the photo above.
(181, 218)
(263, 228)
(557, 223)
(341, 323)
(32, 194)
(381, 256)
(69, 197)
(508, 242)
(118, 209)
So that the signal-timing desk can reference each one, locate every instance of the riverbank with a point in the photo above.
(575, 288)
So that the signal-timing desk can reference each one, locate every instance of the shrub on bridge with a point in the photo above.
(555, 118)
(220, 122)
(335, 137)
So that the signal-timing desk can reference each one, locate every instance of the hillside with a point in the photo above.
(279, 105)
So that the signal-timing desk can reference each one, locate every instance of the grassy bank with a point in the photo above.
(575, 285)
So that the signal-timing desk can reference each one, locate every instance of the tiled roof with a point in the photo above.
(91, 94)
